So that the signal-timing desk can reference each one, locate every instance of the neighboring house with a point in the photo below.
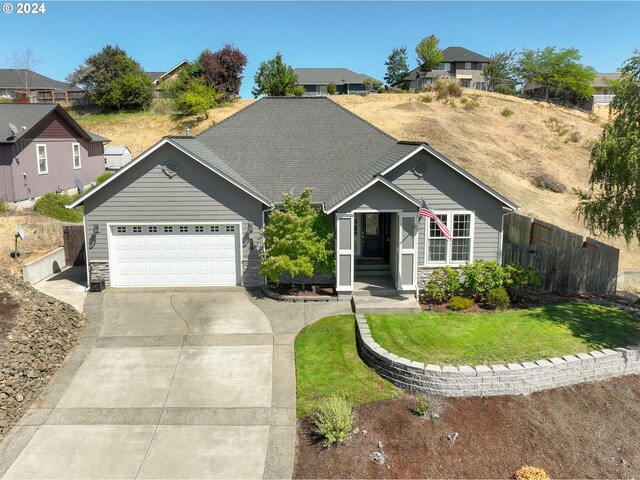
(47, 152)
(459, 63)
(315, 81)
(158, 77)
(602, 95)
(116, 157)
(31, 87)
(191, 211)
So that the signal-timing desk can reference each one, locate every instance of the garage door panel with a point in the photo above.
(175, 255)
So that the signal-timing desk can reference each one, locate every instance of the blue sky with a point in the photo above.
(355, 35)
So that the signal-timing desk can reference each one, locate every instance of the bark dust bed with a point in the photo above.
(584, 431)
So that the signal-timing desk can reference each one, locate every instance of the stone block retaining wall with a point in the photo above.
(512, 379)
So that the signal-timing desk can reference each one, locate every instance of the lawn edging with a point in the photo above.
(482, 380)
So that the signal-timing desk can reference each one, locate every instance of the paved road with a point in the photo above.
(170, 383)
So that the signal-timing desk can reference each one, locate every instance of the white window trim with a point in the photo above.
(46, 158)
(449, 262)
(73, 156)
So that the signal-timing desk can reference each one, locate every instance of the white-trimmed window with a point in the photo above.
(467, 65)
(43, 165)
(75, 152)
(440, 251)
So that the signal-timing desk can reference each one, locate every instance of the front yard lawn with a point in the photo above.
(504, 337)
(327, 363)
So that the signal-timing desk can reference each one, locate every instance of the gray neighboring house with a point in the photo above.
(315, 81)
(116, 157)
(602, 95)
(31, 86)
(459, 63)
(190, 211)
(48, 152)
(158, 77)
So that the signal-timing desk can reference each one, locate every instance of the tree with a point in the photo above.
(223, 69)
(23, 62)
(612, 204)
(370, 84)
(397, 66)
(197, 99)
(429, 53)
(559, 71)
(299, 240)
(501, 68)
(114, 80)
(274, 78)
(331, 88)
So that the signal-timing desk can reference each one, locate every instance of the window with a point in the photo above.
(439, 250)
(199, 229)
(184, 229)
(168, 229)
(467, 65)
(121, 229)
(480, 66)
(137, 229)
(230, 228)
(465, 82)
(152, 229)
(214, 228)
(446, 66)
(75, 148)
(43, 166)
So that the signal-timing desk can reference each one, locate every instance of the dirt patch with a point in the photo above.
(584, 431)
(298, 291)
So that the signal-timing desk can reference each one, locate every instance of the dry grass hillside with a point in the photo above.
(505, 152)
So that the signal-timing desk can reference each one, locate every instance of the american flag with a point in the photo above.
(425, 211)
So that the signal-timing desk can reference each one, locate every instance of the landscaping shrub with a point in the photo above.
(443, 284)
(382, 90)
(517, 279)
(103, 176)
(334, 420)
(506, 112)
(497, 298)
(504, 89)
(527, 472)
(446, 87)
(546, 182)
(479, 277)
(53, 205)
(469, 104)
(459, 303)
(426, 98)
(298, 91)
(557, 126)
(331, 88)
(4, 207)
(422, 406)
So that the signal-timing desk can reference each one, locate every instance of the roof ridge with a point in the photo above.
(360, 118)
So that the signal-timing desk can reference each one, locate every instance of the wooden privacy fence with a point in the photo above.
(567, 262)
(74, 253)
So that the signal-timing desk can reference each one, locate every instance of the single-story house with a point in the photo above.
(43, 149)
(191, 211)
(316, 80)
(158, 77)
(459, 63)
(23, 85)
(116, 157)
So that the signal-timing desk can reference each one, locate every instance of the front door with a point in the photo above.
(372, 235)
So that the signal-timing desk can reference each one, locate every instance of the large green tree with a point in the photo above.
(612, 204)
(397, 66)
(558, 71)
(500, 69)
(275, 78)
(428, 52)
(299, 240)
(114, 81)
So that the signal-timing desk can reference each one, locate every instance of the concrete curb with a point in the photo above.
(483, 380)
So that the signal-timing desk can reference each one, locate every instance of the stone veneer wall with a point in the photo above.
(512, 379)
(99, 271)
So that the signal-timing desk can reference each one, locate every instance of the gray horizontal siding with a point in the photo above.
(145, 194)
(378, 197)
(445, 189)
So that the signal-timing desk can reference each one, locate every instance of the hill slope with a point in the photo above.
(504, 152)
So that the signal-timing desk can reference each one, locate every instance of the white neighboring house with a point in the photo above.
(116, 157)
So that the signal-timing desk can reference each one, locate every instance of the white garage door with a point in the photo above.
(174, 255)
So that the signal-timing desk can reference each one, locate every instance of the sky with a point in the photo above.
(355, 35)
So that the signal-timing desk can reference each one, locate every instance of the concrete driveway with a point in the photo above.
(166, 383)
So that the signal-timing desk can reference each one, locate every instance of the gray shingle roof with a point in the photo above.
(324, 76)
(601, 79)
(14, 78)
(286, 144)
(155, 75)
(451, 55)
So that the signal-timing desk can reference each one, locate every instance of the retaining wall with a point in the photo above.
(512, 379)
(43, 267)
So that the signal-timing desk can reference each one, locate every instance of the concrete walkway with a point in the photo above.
(67, 286)
(170, 383)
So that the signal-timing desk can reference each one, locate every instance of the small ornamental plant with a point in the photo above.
(497, 299)
(460, 303)
(334, 420)
(422, 407)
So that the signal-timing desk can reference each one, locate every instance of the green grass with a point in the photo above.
(327, 363)
(53, 205)
(503, 337)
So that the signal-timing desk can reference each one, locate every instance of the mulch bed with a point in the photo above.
(583, 431)
(298, 291)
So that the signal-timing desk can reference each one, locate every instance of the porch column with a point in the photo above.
(407, 251)
(344, 252)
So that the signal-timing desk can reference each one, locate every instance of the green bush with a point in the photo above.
(497, 298)
(426, 98)
(331, 88)
(4, 207)
(298, 90)
(334, 420)
(382, 90)
(504, 89)
(5, 100)
(53, 205)
(517, 279)
(103, 176)
(459, 303)
(507, 112)
(443, 284)
(479, 277)
(422, 406)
